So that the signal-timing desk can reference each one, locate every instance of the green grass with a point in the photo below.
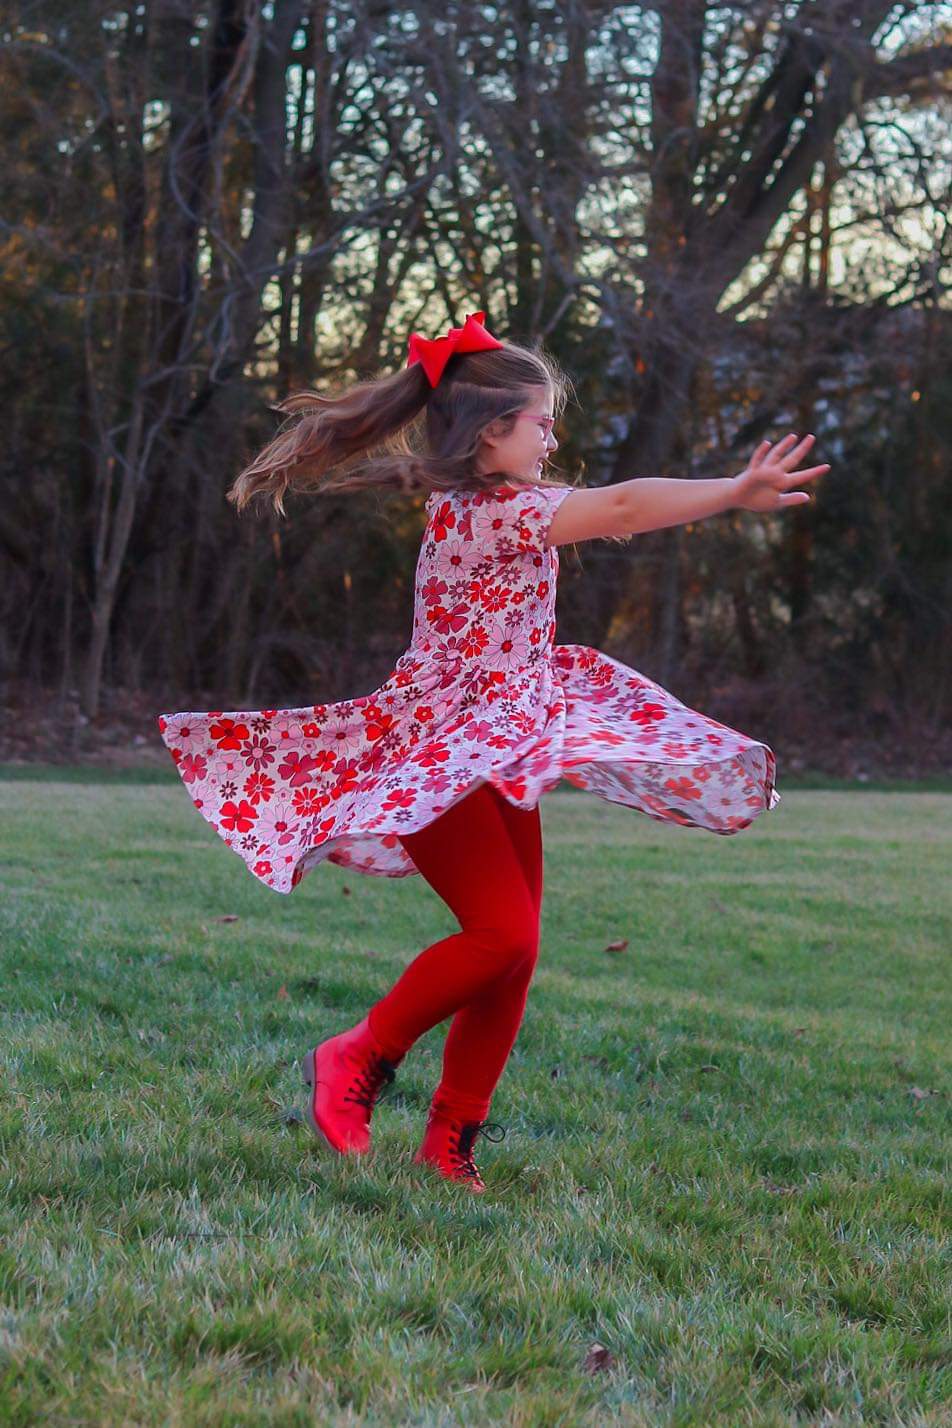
(724, 1161)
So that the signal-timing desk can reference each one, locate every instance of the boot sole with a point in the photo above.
(308, 1076)
(463, 1180)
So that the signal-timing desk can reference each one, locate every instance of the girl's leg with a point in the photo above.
(484, 1031)
(468, 858)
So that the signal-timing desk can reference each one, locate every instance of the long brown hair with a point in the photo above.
(398, 431)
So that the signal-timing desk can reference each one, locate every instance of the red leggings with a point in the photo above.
(483, 857)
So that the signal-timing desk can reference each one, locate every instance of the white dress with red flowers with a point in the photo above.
(481, 694)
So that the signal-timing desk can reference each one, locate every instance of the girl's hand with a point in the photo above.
(766, 482)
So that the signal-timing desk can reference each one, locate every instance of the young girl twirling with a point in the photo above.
(440, 771)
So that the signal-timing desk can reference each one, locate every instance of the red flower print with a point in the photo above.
(258, 787)
(297, 768)
(489, 682)
(646, 713)
(322, 831)
(474, 641)
(433, 591)
(436, 781)
(399, 798)
(238, 817)
(431, 754)
(229, 734)
(478, 729)
(682, 788)
(444, 520)
(262, 869)
(192, 767)
(347, 775)
(379, 724)
(492, 597)
(307, 801)
(259, 752)
(609, 737)
(449, 620)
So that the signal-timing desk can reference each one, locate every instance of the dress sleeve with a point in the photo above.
(510, 523)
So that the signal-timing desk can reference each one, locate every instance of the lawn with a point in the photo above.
(722, 1195)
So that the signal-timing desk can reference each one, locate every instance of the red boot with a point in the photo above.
(345, 1074)
(448, 1146)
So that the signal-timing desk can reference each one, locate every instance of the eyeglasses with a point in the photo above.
(546, 422)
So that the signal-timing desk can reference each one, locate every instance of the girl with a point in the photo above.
(440, 771)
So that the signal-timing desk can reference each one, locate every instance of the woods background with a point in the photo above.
(725, 221)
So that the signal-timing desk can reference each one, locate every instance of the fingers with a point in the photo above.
(788, 450)
(792, 453)
(784, 457)
(809, 472)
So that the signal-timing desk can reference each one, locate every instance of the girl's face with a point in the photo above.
(530, 443)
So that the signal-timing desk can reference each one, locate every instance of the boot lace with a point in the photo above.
(366, 1086)
(462, 1149)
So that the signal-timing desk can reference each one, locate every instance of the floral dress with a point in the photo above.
(482, 694)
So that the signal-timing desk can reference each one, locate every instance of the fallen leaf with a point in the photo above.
(709, 1068)
(918, 1094)
(228, 917)
(799, 1031)
(617, 946)
(555, 1073)
(282, 993)
(345, 891)
(598, 1359)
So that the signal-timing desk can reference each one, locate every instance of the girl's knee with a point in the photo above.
(512, 946)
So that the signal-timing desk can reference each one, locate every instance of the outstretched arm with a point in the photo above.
(650, 503)
(765, 485)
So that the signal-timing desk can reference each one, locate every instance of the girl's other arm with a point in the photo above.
(650, 503)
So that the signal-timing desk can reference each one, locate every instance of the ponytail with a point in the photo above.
(398, 431)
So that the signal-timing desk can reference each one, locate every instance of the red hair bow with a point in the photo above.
(435, 352)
